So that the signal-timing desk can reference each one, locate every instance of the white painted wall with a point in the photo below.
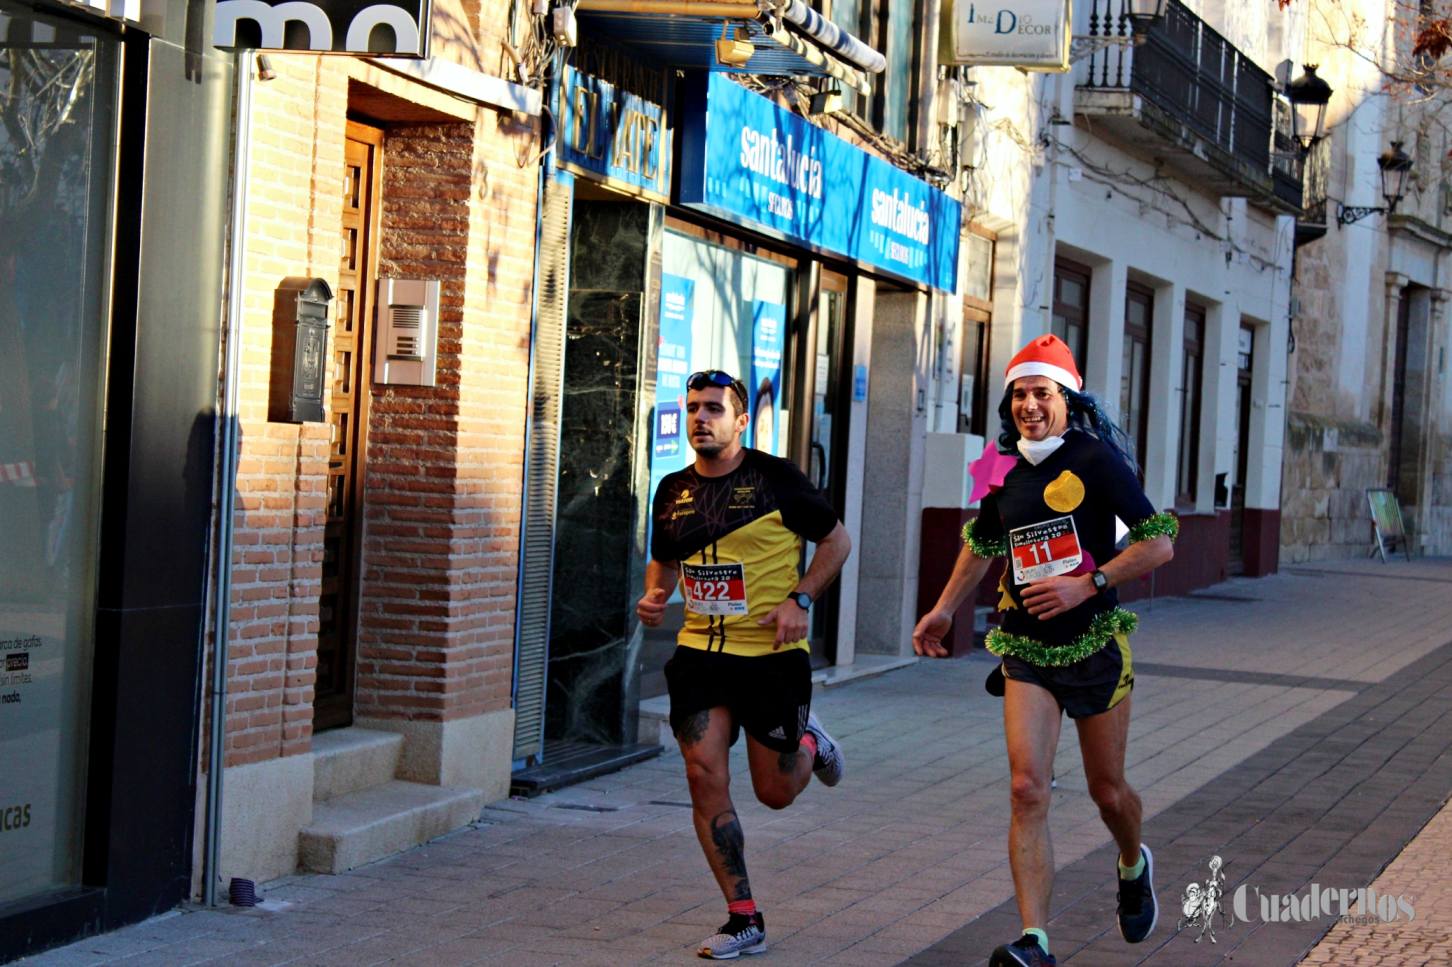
(1065, 190)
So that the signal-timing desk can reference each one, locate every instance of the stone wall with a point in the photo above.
(1329, 465)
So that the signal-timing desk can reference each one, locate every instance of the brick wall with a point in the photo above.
(444, 463)
(294, 208)
(442, 482)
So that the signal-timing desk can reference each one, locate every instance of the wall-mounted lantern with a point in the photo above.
(1309, 96)
(1144, 14)
(1396, 166)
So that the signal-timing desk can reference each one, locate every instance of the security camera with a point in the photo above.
(736, 50)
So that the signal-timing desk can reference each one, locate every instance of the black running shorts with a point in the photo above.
(769, 696)
(1085, 688)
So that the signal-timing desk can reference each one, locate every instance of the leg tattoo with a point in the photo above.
(731, 848)
(693, 729)
(786, 762)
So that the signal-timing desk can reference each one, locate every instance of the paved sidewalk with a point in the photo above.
(1297, 725)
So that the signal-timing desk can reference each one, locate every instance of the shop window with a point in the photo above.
(975, 379)
(894, 98)
(1071, 307)
(59, 79)
(731, 310)
(1187, 472)
(848, 14)
(1134, 377)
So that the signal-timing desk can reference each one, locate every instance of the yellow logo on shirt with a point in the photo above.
(1065, 493)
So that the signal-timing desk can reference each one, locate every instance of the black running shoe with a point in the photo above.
(739, 935)
(1138, 909)
(1023, 952)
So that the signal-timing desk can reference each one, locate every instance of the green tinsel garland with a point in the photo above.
(1161, 524)
(984, 548)
(1105, 625)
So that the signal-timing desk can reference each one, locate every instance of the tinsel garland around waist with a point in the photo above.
(1102, 628)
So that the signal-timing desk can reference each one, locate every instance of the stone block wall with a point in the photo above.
(1329, 465)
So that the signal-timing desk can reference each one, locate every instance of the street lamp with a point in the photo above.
(1395, 165)
(1309, 96)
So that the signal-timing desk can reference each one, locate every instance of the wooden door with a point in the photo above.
(348, 414)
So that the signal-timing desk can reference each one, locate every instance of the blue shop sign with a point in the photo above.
(612, 136)
(748, 161)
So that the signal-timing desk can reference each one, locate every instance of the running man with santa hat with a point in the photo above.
(1064, 640)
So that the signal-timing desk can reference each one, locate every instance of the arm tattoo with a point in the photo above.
(731, 848)
(693, 729)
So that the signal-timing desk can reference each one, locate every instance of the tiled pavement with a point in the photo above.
(1297, 725)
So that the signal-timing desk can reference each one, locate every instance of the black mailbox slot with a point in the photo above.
(299, 351)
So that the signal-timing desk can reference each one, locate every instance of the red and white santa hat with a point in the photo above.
(1045, 356)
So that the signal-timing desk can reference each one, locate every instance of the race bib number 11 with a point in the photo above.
(714, 588)
(1044, 550)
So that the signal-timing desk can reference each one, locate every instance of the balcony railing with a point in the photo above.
(1199, 82)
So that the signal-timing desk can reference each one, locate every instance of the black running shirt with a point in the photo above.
(738, 542)
(1047, 514)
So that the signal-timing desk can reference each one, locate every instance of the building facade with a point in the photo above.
(1142, 206)
(1370, 408)
(708, 216)
(374, 544)
(114, 150)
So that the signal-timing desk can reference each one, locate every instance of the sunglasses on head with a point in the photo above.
(717, 377)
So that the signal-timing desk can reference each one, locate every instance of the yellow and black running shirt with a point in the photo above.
(737, 540)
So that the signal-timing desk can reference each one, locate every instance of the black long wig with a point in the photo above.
(1086, 413)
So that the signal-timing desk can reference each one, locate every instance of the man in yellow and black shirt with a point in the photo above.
(729, 530)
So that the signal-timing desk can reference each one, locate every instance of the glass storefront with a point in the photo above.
(59, 80)
(735, 310)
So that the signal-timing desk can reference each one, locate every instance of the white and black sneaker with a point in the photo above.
(829, 763)
(739, 935)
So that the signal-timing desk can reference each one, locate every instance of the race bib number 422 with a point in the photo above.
(1044, 550)
(714, 588)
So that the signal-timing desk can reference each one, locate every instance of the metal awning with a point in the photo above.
(683, 34)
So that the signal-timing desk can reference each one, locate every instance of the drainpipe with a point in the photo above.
(227, 477)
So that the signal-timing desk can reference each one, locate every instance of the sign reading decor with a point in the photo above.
(612, 136)
(377, 29)
(1032, 34)
(747, 160)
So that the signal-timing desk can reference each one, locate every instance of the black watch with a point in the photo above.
(803, 600)
(1101, 581)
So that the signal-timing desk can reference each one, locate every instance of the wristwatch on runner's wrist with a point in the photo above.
(803, 600)
(1101, 581)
